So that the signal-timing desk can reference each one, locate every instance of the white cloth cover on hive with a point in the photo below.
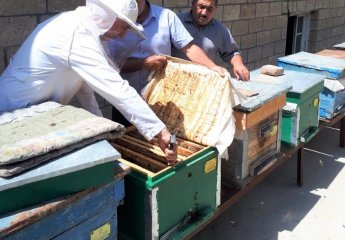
(333, 85)
(42, 132)
(194, 102)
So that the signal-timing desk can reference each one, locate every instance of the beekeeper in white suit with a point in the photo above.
(64, 57)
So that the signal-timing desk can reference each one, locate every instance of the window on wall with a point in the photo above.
(297, 34)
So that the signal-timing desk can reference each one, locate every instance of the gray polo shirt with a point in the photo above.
(215, 39)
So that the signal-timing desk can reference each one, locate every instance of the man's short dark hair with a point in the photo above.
(215, 2)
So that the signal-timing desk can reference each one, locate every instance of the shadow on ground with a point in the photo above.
(277, 204)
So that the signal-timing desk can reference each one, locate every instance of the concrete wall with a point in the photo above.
(258, 26)
(19, 17)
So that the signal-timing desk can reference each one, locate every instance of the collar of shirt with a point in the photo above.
(151, 15)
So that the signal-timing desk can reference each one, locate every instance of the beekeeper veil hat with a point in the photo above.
(104, 13)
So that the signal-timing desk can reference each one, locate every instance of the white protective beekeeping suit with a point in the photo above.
(64, 57)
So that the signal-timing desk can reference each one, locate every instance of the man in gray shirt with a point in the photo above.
(212, 36)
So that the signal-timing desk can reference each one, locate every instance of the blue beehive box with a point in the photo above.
(332, 98)
(90, 214)
(331, 101)
(330, 67)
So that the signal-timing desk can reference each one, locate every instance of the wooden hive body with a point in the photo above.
(89, 214)
(194, 105)
(257, 138)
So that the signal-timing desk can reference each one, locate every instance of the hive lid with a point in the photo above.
(335, 53)
(303, 61)
(194, 102)
(89, 156)
(299, 81)
(340, 45)
(265, 93)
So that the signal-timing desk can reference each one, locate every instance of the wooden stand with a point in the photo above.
(330, 122)
(230, 195)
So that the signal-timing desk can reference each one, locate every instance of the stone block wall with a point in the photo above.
(19, 17)
(258, 26)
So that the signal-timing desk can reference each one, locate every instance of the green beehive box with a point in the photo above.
(87, 167)
(88, 214)
(167, 201)
(300, 117)
(170, 202)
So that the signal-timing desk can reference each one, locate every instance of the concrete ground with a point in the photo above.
(277, 209)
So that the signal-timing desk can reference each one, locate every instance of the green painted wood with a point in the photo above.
(37, 192)
(71, 217)
(306, 88)
(164, 200)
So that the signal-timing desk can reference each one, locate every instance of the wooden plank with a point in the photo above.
(149, 151)
(340, 54)
(241, 119)
(182, 152)
(185, 144)
(140, 159)
(121, 170)
(248, 120)
(266, 92)
(256, 147)
(137, 167)
(146, 149)
(51, 219)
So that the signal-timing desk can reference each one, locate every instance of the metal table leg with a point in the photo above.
(342, 133)
(300, 166)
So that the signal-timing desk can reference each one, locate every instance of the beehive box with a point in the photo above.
(49, 150)
(300, 116)
(169, 202)
(257, 137)
(311, 63)
(332, 98)
(90, 214)
(87, 167)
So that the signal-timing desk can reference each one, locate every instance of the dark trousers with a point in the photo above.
(119, 118)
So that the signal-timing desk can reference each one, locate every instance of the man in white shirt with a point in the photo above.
(64, 57)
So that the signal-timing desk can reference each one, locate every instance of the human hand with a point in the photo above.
(222, 71)
(155, 62)
(241, 72)
(163, 142)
